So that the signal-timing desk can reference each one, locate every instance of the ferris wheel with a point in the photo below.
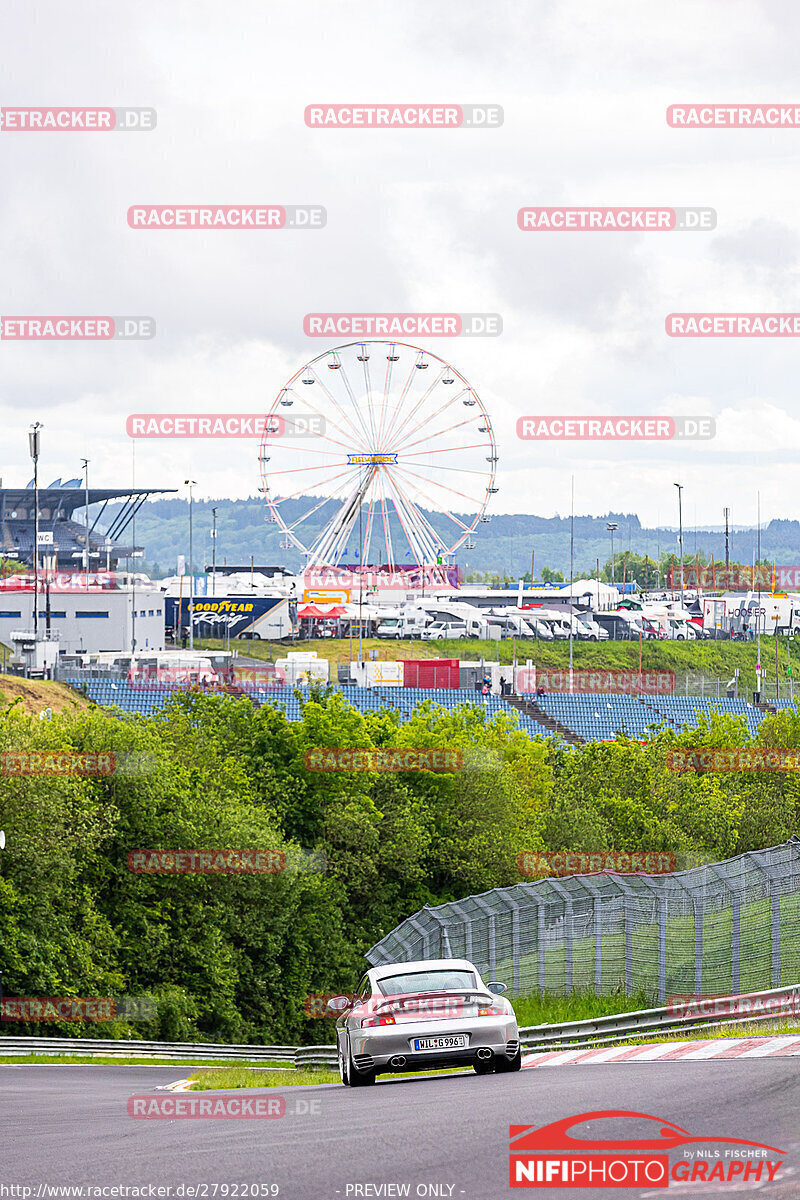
(377, 451)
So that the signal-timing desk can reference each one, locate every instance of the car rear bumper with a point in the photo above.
(383, 1052)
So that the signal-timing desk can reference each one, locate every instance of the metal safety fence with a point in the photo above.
(723, 928)
(287, 1057)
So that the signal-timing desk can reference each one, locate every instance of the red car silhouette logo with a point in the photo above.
(555, 1136)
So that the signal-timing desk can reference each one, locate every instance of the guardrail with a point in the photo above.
(782, 1003)
(292, 1056)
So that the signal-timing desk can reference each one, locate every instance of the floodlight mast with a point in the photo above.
(34, 444)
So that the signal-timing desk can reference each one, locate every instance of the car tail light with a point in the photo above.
(493, 1010)
(368, 1022)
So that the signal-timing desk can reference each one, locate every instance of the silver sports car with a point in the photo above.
(420, 1016)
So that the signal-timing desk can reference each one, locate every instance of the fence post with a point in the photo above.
(775, 900)
(566, 900)
(424, 933)
(514, 906)
(627, 913)
(736, 943)
(597, 913)
(697, 905)
(491, 934)
(662, 949)
(775, 884)
(540, 943)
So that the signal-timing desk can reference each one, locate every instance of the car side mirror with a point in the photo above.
(337, 1005)
(497, 988)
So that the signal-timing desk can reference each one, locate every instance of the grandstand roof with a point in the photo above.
(56, 508)
(67, 499)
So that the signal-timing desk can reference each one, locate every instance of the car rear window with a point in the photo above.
(426, 981)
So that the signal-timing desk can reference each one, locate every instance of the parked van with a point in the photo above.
(586, 628)
(440, 630)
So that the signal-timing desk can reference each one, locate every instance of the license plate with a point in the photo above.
(453, 1041)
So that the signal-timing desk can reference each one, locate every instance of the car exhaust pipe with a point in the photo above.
(484, 1053)
(399, 1060)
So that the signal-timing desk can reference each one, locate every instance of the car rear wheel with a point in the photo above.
(358, 1078)
(343, 1071)
(504, 1065)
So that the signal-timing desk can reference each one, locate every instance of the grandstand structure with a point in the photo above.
(600, 717)
(574, 718)
(60, 533)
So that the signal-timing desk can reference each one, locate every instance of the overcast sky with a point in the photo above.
(417, 221)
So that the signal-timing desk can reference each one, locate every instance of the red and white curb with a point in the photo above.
(756, 1047)
(180, 1085)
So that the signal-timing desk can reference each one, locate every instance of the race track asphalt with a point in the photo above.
(443, 1136)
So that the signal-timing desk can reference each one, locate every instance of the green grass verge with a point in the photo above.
(578, 1006)
(243, 1077)
(222, 1078)
(108, 1060)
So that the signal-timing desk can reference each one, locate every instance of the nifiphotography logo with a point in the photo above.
(662, 1154)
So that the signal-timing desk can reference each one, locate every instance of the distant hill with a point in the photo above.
(504, 545)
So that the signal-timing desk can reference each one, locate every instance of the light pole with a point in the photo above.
(611, 526)
(213, 552)
(85, 462)
(361, 586)
(571, 575)
(50, 563)
(191, 483)
(33, 442)
(679, 486)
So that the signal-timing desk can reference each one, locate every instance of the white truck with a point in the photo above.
(746, 613)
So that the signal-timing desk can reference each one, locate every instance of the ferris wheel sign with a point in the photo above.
(401, 470)
(371, 460)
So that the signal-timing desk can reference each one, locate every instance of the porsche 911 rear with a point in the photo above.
(478, 1031)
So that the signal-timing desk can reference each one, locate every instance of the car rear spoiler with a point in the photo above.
(463, 995)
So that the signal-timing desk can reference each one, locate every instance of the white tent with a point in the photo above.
(603, 595)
